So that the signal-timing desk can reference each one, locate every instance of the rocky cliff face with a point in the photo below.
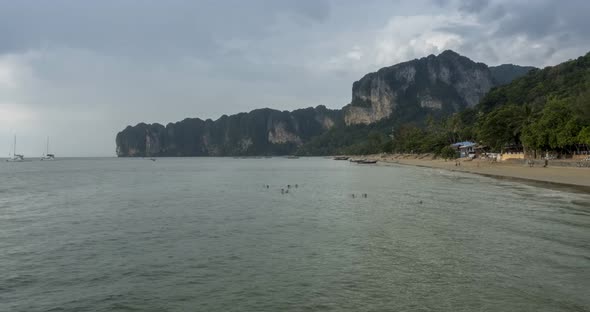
(447, 82)
(406, 92)
(260, 132)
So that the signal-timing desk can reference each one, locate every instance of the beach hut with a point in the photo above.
(465, 148)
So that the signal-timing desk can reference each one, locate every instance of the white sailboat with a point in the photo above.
(148, 142)
(48, 156)
(15, 157)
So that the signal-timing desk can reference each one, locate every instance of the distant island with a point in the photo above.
(422, 105)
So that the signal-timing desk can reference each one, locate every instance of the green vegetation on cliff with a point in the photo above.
(417, 106)
(259, 132)
(504, 74)
(441, 90)
(546, 110)
(569, 80)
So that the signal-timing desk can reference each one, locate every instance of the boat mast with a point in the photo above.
(47, 151)
(147, 145)
(14, 146)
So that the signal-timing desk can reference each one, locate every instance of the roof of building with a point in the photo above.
(464, 144)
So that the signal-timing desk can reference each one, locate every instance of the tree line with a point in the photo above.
(546, 110)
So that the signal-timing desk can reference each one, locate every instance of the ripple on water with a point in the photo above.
(202, 234)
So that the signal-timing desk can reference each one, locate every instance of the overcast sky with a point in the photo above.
(80, 71)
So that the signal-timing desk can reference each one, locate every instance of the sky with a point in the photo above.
(79, 71)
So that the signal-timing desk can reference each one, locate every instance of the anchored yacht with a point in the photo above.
(15, 157)
(47, 155)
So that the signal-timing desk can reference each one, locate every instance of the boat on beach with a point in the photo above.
(367, 161)
(341, 157)
(363, 161)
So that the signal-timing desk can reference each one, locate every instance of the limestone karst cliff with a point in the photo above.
(259, 132)
(406, 92)
(448, 82)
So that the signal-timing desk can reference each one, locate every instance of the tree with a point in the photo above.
(374, 143)
(584, 136)
(501, 126)
(558, 128)
(448, 152)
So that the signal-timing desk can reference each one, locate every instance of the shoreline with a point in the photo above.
(563, 178)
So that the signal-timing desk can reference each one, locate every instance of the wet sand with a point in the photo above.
(576, 178)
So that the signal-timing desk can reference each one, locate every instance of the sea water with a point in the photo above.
(223, 234)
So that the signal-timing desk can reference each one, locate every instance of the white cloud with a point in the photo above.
(7, 79)
(11, 114)
(408, 37)
(355, 54)
(14, 69)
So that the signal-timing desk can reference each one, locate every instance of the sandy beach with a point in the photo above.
(553, 176)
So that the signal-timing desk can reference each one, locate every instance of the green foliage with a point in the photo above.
(565, 80)
(432, 139)
(555, 114)
(506, 73)
(448, 152)
(545, 109)
(241, 134)
(460, 126)
(338, 140)
(580, 105)
(584, 136)
(387, 146)
(504, 125)
(557, 128)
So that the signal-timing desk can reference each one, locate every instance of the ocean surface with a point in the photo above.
(206, 234)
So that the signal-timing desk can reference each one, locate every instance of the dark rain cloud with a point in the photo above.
(148, 26)
(472, 6)
(101, 65)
